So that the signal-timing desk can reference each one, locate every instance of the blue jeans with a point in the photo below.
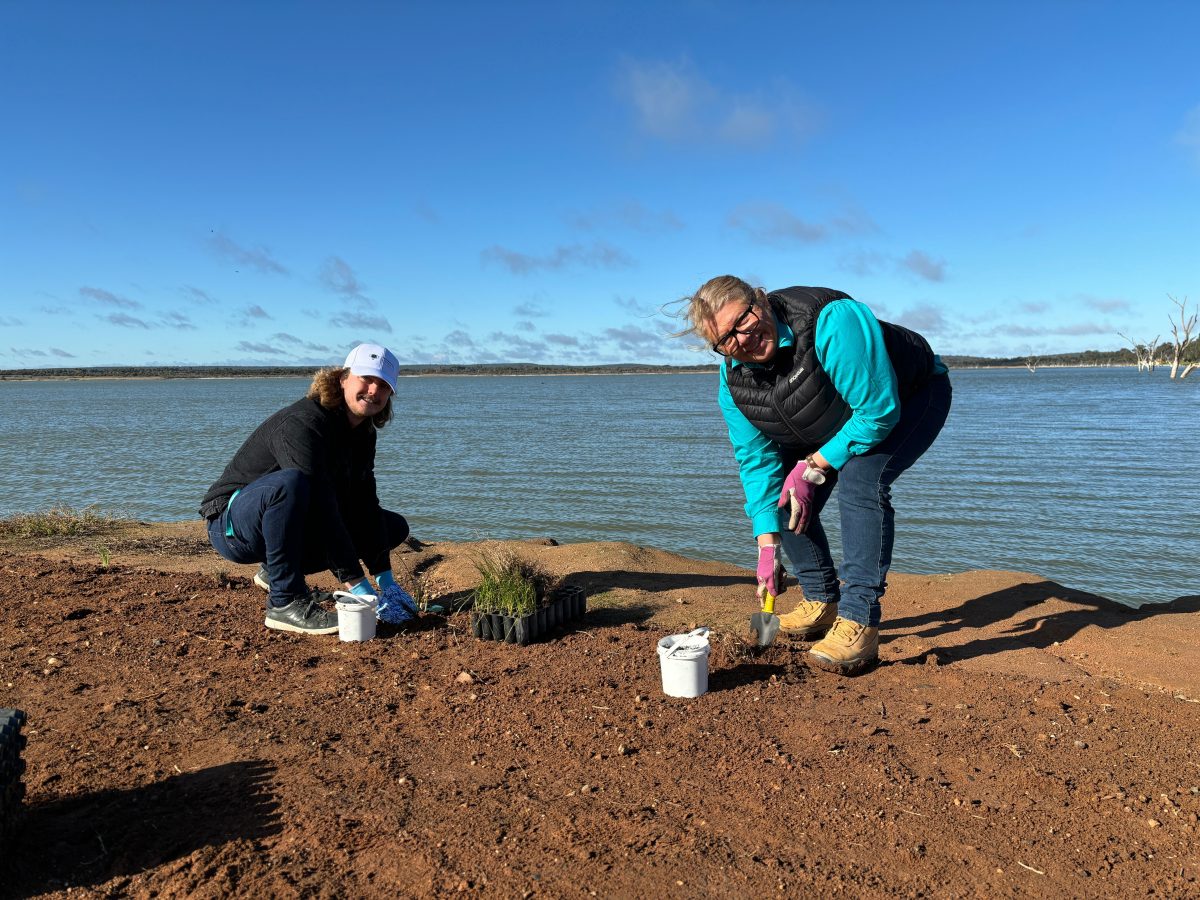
(272, 525)
(867, 517)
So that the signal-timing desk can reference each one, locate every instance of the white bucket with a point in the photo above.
(684, 662)
(356, 615)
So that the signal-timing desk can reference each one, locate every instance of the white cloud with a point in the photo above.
(770, 223)
(1189, 134)
(924, 266)
(109, 299)
(250, 257)
(673, 102)
(599, 255)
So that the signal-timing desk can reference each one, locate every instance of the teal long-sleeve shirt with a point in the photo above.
(851, 350)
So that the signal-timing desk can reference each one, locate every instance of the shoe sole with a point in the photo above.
(261, 582)
(295, 629)
(842, 667)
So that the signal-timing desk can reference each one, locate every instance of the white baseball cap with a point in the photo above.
(375, 360)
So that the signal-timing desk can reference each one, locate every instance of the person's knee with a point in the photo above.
(293, 483)
(397, 529)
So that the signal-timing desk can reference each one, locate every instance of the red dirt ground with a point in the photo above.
(1019, 738)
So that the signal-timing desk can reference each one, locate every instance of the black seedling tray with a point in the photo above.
(12, 767)
(566, 605)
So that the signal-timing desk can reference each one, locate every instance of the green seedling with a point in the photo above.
(509, 585)
(105, 557)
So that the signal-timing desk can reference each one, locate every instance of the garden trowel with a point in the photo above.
(765, 624)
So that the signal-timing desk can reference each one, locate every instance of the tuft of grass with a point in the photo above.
(58, 521)
(105, 556)
(509, 585)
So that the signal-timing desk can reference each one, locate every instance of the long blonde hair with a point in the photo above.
(700, 309)
(326, 389)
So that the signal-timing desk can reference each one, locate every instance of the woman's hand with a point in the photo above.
(798, 494)
(770, 571)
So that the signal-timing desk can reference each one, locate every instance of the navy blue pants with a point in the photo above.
(273, 525)
(867, 517)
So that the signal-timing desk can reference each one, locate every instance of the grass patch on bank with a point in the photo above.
(59, 521)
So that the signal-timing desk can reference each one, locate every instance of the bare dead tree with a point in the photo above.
(1145, 354)
(1031, 361)
(1182, 338)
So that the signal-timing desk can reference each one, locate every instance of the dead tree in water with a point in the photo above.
(1143, 353)
(1181, 336)
(1031, 361)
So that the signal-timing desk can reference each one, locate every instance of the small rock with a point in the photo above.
(1153, 823)
(1082, 745)
(623, 750)
(464, 678)
(54, 661)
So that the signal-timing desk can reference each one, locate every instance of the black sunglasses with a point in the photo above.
(737, 328)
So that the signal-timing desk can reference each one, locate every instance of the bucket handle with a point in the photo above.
(682, 644)
(363, 600)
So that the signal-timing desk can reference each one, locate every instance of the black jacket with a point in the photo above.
(792, 400)
(340, 463)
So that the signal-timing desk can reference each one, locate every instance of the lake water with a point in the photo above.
(1085, 476)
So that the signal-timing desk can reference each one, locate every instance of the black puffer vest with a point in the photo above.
(791, 400)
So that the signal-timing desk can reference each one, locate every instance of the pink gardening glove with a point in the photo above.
(770, 571)
(798, 493)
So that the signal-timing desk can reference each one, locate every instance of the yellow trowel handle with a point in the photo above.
(768, 602)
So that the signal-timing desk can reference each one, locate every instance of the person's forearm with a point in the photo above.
(768, 539)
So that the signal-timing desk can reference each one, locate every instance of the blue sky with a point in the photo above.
(270, 183)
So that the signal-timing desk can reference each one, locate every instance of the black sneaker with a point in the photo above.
(303, 615)
(260, 578)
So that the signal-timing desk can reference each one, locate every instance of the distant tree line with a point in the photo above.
(307, 371)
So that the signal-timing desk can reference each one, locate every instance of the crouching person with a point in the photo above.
(299, 497)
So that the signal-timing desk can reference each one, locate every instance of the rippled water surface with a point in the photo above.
(1086, 476)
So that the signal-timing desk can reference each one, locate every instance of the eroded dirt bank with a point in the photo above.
(1019, 738)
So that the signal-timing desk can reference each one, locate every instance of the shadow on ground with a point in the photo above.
(1035, 616)
(88, 840)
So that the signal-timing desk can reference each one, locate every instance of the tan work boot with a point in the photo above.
(848, 649)
(809, 620)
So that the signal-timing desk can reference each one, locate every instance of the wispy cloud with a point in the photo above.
(863, 263)
(196, 295)
(284, 338)
(671, 101)
(598, 255)
(530, 310)
(1107, 304)
(337, 277)
(427, 213)
(250, 347)
(179, 321)
(924, 266)
(10, 321)
(1189, 134)
(109, 299)
(925, 318)
(55, 351)
(361, 321)
(124, 320)
(634, 339)
(562, 340)
(770, 223)
(632, 305)
(258, 258)
(630, 214)
(254, 312)
(1034, 307)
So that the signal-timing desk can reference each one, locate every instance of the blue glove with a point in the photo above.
(395, 607)
(362, 589)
